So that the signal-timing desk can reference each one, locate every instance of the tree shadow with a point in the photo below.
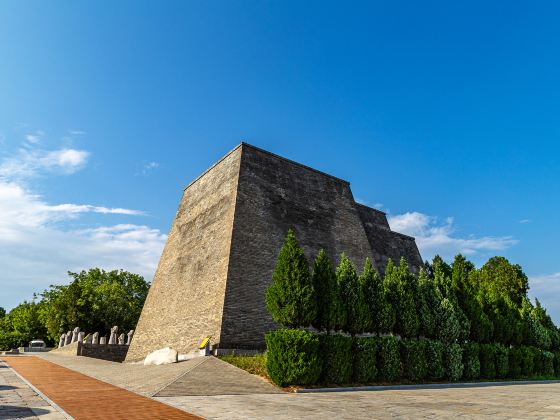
(6, 387)
(14, 411)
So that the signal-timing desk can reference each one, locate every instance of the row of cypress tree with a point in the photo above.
(450, 303)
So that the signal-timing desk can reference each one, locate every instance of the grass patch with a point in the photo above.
(253, 364)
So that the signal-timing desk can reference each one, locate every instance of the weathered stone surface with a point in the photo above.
(225, 239)
(161, 357)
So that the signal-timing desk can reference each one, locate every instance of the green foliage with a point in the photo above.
(501, 280)
(413, 356)
(548, 363)
(290, 298)
(435, 359)
(293, 357)
(365, 359)
(336, 351)
(536, 354)
(471, 361)
(401, 288)
(380, 316)
(501, 354)
(487, 361)
(12, 340)
(515, 359)
(389, 359)
(453, 362)
(330, 311)
(427, 301)
(23, 324)
(2, 312)
(95, 300)
(557, 363)
(448, 325)
(527, 361)
(350, 292)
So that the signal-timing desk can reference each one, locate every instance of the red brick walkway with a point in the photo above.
(84, 397)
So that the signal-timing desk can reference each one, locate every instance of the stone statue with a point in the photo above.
(129, 337)
(121, 338)
(62, 340)
(103, 340)
(75, 334)
(113, 336)
(81, 335)
(68, 338)
(95, 338)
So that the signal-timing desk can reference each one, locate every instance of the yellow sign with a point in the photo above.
(203, 344)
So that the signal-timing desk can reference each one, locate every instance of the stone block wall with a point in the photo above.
(111, 352)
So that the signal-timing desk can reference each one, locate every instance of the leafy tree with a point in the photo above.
(426, 303)
(380, 316)
(95, 300)
(290, 298)
(24, 321)
(501, 279)
(330, 311)
(2, 312)
(350, 292)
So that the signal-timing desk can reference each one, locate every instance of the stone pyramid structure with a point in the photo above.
(224, 242)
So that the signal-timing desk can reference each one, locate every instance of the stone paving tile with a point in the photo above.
(83, 397)
(19, 401)
(504, 402)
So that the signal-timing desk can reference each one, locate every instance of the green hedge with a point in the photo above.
(471, 361)
(413, 356)
(515, 359)
(548, 363)
(389, 362)
(434, 359)
(537, 361)
(453, 362)
(365, 359)
(487, 361)
(293, 357)
(527, 361)
(501, 354)
(557, 363)
(336, 351)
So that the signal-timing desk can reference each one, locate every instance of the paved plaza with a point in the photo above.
(211, 389)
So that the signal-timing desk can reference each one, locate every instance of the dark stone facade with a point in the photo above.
(223, 246)
(111, 352)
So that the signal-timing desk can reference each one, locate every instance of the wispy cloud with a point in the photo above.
(525, 221)
(31, 162)
(149, 167)
(436, 237)
(34, 137)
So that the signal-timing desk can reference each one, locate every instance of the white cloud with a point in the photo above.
(525, 221)
(149, 167)
(30, 162)
(435, 237)
(547, 289)
(37, 248)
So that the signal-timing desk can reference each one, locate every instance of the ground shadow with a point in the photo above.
(7, 387)
(15, 411)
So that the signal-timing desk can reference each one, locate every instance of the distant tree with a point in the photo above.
(380, 316)
(24, 320)
(95, 300)
(330, 311)
(2, 312)
(290, 298)
(350, 292)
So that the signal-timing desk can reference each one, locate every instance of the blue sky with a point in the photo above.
(446, 116)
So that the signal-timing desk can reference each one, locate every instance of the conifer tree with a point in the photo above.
(290, 298)
(427, 302)
(330, 313)
(401, 289)
(350, 292)
(380, 316)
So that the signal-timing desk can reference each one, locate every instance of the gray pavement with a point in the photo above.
(19, 401)
(500, 402)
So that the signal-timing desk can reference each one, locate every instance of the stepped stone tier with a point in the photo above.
(224, 243)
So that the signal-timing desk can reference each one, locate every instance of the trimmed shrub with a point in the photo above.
(389, 358)
(365, 359)
(293, 357)
(454, 362)
(537, 361)
(487, 361)
(548, 363)
(515, 356)
(501, 353)
(12, 340)
(413, 356)
(336, 352)
(434, 359)
(471, 361)
(527, 361)
(557, 363)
